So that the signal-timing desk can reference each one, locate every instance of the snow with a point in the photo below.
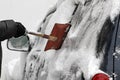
(117, 50)
(115, 9)
(78, 53)
(75, 52)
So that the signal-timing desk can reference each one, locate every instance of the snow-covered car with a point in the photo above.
(90, 50)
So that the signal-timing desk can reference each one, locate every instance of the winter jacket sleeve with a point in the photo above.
(8, 29)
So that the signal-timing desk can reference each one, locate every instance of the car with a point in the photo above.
(89, 51)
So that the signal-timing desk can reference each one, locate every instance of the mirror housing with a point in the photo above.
(19, 44)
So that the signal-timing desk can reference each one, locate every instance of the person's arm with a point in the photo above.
(9, 28)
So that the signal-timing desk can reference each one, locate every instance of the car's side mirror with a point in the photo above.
(19, 44)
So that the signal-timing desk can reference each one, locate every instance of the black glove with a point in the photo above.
(20, 29)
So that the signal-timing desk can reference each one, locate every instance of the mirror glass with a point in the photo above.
(19, 44)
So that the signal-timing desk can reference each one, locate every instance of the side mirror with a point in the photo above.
(19, 44)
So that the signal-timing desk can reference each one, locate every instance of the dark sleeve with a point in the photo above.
(8, 29)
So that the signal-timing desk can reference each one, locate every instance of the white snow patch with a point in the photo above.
(115, 11)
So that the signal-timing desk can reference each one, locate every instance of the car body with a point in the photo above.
(54, 65)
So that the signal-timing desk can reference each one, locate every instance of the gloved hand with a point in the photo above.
(20, 29)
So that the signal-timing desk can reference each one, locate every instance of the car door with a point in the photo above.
(116, 56)
(111, 63)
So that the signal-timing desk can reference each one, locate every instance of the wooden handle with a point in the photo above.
(52, 38)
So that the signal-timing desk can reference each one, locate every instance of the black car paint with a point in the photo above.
(111, 63)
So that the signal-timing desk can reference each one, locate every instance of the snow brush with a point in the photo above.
(56, 38)
(60, 31)
(51, 38)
